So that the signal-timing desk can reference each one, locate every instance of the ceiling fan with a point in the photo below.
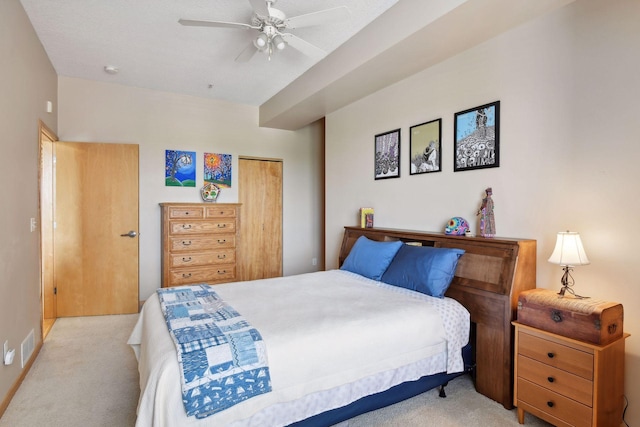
(271, 25)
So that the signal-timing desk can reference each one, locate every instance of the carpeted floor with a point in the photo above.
(86, 375)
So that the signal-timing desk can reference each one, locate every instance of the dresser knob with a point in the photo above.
(222, 256)
(222, 225)
(222, 271)
(551, 355)
(221, 241)
(550, 404)
(186, 226)
(186, 242)
(186, 259)
(550, 379)
(186, 276)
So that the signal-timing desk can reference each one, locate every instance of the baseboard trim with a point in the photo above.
(16, 385)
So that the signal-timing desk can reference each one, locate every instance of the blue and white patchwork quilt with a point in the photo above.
(223, 359)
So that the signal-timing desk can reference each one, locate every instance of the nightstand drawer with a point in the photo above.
(557, 380)
(554, 404)
(553, 354)
(186, 212)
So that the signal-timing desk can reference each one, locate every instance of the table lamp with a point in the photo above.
(568, 253)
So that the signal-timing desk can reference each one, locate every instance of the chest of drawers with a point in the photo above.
(199, 243)
(568, 382)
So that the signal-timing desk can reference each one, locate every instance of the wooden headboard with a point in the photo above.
(488, 279)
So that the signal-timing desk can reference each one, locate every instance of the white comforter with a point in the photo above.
(323, 331)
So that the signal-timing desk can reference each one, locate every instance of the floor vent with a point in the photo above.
(26, 348)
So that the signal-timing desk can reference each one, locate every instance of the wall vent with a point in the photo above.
(26, 348)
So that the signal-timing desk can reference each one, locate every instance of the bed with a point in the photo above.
(359, 363)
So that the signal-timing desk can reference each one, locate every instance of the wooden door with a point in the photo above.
(260, 193)
(96, 203)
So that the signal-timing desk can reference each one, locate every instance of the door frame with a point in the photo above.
(46, 224)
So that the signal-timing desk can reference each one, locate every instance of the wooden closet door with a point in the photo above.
(260, 193)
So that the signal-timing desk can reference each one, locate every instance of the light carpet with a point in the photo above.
(86, 375)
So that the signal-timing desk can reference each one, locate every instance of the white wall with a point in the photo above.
(569, 86)
(157, 121)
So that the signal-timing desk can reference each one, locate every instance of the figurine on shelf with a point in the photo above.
(487, 220)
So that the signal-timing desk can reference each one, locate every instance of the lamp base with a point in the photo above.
(567, 284)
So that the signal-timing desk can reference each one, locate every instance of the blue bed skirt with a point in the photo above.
(388, 397)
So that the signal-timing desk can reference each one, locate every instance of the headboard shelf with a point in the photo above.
(489, 277)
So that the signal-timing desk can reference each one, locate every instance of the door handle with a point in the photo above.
(131, 234)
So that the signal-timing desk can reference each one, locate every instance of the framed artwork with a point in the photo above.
(425, 149)
(217, 169)
(387, 152)
(477, 138)
(180, 168)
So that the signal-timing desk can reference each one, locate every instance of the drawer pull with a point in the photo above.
(186, 226)
(186, 259)
(551, 355)
(186, 242)
(551, 379)
(222, 256)
(221, 241)
(222, 271)
(222, 225)
(550, 404)
(186, 275)
(556, 316)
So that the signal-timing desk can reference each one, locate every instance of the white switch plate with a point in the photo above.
(33, 224)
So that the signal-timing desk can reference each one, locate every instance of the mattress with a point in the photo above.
(332, 337)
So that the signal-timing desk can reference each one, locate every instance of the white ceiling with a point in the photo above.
(143, 39)
(383, 42)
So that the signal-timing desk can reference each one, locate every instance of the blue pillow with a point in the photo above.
(424, 269)
(369, 258)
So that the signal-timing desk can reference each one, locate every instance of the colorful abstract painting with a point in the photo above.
(180, 168)
(217, 169)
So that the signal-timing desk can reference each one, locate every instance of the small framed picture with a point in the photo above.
(425, 149)
(477, 138)
(387, 152)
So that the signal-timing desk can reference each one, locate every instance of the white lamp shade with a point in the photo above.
(569, 250)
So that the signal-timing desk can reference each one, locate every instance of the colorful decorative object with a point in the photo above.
(457, 226)
(217, 169)
(180, 168)
(477, 138)
(487, 219)
(210, 192)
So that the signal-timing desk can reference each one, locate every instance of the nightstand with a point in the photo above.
(568, 382)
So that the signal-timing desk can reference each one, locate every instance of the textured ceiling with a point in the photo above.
(142, 38)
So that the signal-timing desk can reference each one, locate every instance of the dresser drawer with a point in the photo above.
(557, 380)
(220, 211)
(557, 355)
(224, 256)
(200, 243)
(554, 404)
(215, 274)
(203, 227)
(186, 212)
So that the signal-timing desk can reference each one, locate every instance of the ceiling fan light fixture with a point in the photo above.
(261, 41)
(279, 42)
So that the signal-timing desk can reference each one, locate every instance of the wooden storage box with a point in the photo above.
(589, 319)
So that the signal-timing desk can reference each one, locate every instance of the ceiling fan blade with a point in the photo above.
(247, 53)
(303, 46)
(217, 24)
(260, 7)
(336, 14)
